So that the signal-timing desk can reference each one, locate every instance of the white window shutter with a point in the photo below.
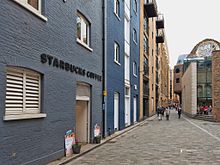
(14, 93)
(22, 92)
(32, 93)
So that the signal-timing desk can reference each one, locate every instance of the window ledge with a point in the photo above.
(31, 9)
(24, 116)
(117, 62)
(117, 16)
(135, 42)
(84, 45)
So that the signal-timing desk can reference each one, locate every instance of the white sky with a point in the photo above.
(187, 22)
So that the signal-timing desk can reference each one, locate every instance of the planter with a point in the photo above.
(97, 139)
(76, 148)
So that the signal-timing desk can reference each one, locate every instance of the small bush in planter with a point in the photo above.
(76, 148)
(97, 139)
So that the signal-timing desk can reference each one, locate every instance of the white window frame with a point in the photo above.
(117, 8)
(135, 36)
(135, 6)
(135, 69)
(116, 53)
(88, 29)
(26, 5)
(19, 80)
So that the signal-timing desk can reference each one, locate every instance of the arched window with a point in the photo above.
(135, 6)
(116, 52)
(117, 7)
(134, 35)
(134, 68)
(83, 30)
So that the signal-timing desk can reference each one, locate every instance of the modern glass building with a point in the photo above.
(204, 79)
(197, 78)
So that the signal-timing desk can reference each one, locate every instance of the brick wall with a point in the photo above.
(189, 90)
(216, 85)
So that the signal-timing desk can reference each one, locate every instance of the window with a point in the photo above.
(177, 70)
(145, 45)
(146, 70)
(135, 68)
(126, 67)
(177, 80)
(117, 7)
(116, 53)
(34, 6)
(83, 30)
(34, 3)
(127, 91)
(146, 87)
(134, 35)
(22, 94)
(135, 6)
(145, 24)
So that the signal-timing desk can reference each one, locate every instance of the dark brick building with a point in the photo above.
(50, 76)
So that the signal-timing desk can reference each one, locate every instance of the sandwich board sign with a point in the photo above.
(69, 141)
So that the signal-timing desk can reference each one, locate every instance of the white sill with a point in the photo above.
(134, 75)
(31, 9)
(117, 16)
(83, 44)
(135, 42)
(117, 62)
(135, 12)
(24, 116)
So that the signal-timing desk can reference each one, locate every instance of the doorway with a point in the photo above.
(135, 110)
(82, 113)
(82, 128)
(116, 111)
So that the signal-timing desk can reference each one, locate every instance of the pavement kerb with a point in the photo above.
(107, 139)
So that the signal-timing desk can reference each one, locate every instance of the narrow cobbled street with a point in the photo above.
(177, 141)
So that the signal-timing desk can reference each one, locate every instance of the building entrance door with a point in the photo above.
(127, 111)
(116, 111)
(82, 121)
(135, 110)
(83, 112)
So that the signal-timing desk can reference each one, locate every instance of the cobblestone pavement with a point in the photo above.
(177, 141)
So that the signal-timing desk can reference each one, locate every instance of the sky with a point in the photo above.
(187, 22)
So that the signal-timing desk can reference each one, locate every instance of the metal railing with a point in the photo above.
(150, 2)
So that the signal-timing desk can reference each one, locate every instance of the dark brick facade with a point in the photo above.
(115, 81)
(23, 38)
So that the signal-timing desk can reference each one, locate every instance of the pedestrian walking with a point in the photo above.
(160, 113)
(179, 110)
(167, 113)
(158, 109)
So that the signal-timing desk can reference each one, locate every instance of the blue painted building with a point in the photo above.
(50, 76)
(135, 59)
(121, 64)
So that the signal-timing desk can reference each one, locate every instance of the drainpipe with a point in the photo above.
(104, 68)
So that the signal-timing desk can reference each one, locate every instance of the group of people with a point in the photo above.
(204, 109)
(161, 111)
